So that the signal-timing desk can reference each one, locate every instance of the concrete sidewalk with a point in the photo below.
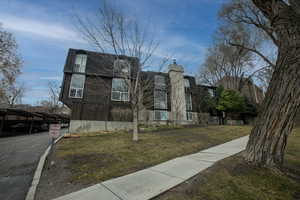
(148, 183)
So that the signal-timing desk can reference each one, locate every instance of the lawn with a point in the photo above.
(79, 162)
(232, 179)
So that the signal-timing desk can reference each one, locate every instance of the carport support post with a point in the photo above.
(2, 124)
(31, 125)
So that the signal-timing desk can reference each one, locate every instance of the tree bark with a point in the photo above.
(135, 136)
(275, 122)
(268, 138)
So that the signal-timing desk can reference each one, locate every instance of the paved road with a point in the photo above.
(19, 157)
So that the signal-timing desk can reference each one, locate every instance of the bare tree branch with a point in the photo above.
(256, 52)
(113, 31)
(10, 64)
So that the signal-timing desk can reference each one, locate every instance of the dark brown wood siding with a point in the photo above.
(97, 90)
(64, 96)
(96, 103)
(99, 63)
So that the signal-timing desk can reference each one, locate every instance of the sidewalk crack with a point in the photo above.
(167, 174)
(112, 191)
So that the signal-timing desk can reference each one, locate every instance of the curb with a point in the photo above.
(38, 172)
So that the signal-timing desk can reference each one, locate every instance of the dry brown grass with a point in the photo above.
(98, 157)
(95, 157)
(233, 179)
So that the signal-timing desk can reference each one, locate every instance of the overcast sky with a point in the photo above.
(44, 30)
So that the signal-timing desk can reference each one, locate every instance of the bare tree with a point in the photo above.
(262, 41)
(244, 13)
(244, 27)
(10, 63)
(14, 94)
(275, 121)
(52, 104)
(54, 90)
(264, 76)
(224, 60)
(112, 31)
(278, 22)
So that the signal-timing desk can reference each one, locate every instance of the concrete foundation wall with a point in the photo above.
(213, 120)
(83, 126)
(147, 117)
(235, 122)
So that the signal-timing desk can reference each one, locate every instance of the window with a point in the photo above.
(120, 90)
(80, 63)
(161, 115)
(121, 67)
(188, 101)
(189, 116)
(159, 81)
(77, 85)
(187, 83)
(160, 99)
(211, 92)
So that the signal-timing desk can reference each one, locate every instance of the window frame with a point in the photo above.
(118, 71)
(191, 115)
(159, 85)
(155, 99)
(76, 88)
(211, 92)
(121, 93)
(187, 83)
(160, 111)
(81, 65)
(189, 107)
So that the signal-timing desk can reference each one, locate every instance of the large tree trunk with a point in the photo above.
(275, 122)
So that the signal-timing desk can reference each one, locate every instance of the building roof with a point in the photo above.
(24, 113)
(96, 53)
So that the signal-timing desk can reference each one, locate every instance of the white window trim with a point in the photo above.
(211, 92)
(81, 65)
(120, 96)
(70, 88)
(186, 80)
(119, 100)
(192, 118)
(76, 89)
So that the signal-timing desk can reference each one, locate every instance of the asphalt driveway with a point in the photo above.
(19, 157)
